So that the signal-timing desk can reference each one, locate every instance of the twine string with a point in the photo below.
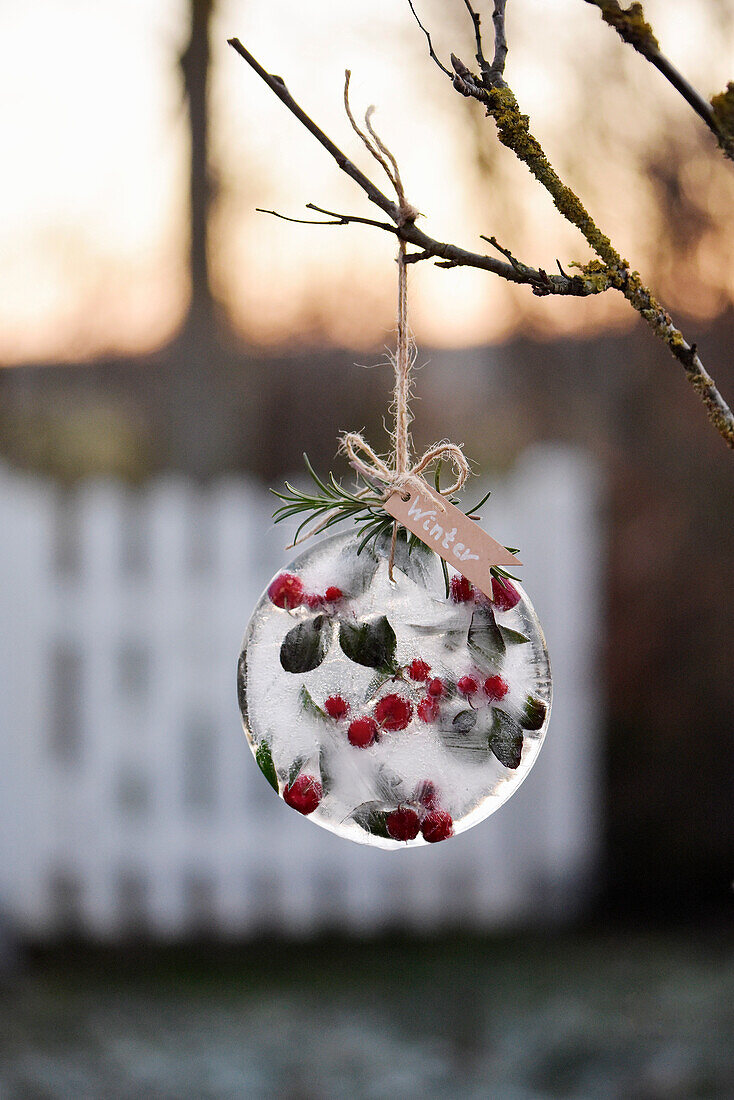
(360, 454)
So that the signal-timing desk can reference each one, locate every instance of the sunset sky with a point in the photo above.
(93, 228)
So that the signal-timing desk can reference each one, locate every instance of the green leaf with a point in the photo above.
(295, 769)
(418, 562)
(513, 637)
(465, 735)
(242, 686)
(389, 785)
(327, 779)
(304, 647)
(478, 505)
(370, 642)
(446, 582)
(356, 571)
(465, 721)
(501, 574)
(450, 639)
(454, 639)
(310, 705)
(505, 739)
(371, 816)
(533, 713)
(264, 759)
(485, 637)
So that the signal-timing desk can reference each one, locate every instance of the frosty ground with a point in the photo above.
(601, 1014)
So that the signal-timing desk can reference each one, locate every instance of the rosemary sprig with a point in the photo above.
(331, 504)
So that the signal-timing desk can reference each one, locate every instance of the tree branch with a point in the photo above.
(514, 132)
(632, 27)
(448, 254)
(513, 129)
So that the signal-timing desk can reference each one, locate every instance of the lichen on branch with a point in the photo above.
(513, 130)
(722, 106)
(629, 23)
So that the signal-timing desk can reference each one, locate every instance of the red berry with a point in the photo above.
(336, 707)
(428, 709)
(393, 712)
(461, 589)
(505, 594)
(314, 601)
(435, 688)
(362, 732)
(427, 794)
(437, 825)
(495, 688)
(467, 685)
(287, 590)
(403, 824)
(304, 794)
(419, 670)
(332, 594)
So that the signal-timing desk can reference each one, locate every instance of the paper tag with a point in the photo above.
(444, 528)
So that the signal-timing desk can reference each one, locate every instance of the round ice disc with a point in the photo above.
(385, 710)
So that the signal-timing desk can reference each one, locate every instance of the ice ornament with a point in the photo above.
(384, 710)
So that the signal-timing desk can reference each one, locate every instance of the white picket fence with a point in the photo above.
(128, 797)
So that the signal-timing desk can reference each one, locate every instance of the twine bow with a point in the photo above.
(353, 444)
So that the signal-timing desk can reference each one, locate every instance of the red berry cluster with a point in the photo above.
(391, 713)
(506, 596)
(315, 600)
(362, 732)
(427, 707)
(287, 591)
(494, 687)
(429, 819)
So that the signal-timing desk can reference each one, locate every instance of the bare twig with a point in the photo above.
(632, 27)
(345, 219)
(339, 220)
(431, 50)
(497, 70)
(333, 219)
(476, 20)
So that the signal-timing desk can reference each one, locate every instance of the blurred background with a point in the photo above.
(167, 928)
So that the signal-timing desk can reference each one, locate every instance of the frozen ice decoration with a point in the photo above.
(387, 711)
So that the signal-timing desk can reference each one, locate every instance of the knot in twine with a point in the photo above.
(352, 443)
(376, 469)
